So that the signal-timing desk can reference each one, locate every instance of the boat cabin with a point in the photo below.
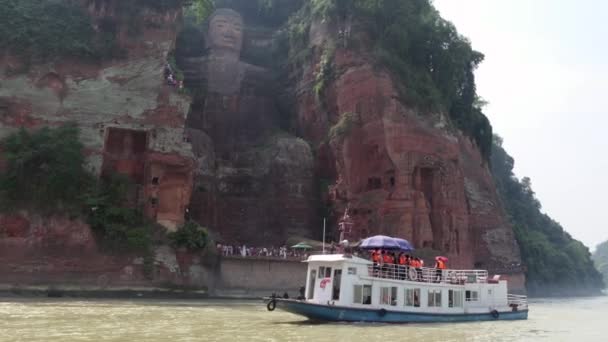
(350, 281)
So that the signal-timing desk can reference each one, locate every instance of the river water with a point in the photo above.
(153, 320)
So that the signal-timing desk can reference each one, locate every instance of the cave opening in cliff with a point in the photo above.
(124, 153)
(424, 181)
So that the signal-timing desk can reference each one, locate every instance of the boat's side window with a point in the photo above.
(362, 294)
(472, 296)
(337, 285)
(455, 299)
(412, 297)
(352, 270)
(324, 272)
(434, 298)
(388, 296)
(311, 285)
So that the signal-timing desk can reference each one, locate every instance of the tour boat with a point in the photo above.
(345, 288)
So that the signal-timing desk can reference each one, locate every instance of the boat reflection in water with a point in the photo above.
(351, 289)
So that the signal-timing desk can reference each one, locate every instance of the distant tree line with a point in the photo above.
(556, 263)
(600, 257)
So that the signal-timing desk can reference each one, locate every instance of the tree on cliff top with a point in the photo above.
(600, 257)
(44, 29)
(433, 64)
(556, 263)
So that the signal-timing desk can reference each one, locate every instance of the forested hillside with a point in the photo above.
(556, 263)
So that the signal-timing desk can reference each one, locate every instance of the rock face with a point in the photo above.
(131, 122)
(399, 171)
(226, 156)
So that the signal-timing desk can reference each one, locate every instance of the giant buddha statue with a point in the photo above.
(254, 181)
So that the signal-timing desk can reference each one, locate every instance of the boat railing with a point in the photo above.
(428, 275)
(517, 301)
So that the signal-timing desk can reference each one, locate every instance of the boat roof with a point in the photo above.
(337, 258)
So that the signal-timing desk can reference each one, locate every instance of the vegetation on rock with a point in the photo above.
(433, 64)
(190, 236)
(120, 227)
(44, 29)
(344, 126)
(556, 263)
(600, 257)
(45, 171)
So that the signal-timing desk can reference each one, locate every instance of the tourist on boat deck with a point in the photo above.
(402, 266)
(417, 264)
(385, 263)
(394, 262)
(377, 260)
(440, 266)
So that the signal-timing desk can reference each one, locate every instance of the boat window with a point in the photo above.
(352, 270)
(412, 297)
(472, 296)
(388, 296)
(455, 299)
(324, 272)
(362, 294)
(311, 284)
(337, 284)
(434, 298)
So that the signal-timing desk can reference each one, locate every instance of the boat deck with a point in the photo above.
(430, 275)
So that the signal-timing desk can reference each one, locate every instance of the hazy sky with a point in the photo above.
(546, 78)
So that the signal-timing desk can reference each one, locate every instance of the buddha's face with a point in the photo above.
(226, 31)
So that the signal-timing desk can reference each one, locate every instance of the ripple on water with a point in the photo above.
(74, 320)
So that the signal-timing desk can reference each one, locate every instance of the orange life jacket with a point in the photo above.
(376, 257)
(441, 265)
(386, 259)
(416, 264)
(402, 260)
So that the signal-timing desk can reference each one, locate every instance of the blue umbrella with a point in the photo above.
(404, 245)
(380, 241)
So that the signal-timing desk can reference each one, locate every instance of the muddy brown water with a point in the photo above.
(213, 320)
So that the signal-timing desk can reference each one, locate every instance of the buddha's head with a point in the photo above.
(225, 31)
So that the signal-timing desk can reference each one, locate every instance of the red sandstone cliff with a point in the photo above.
(400, 171)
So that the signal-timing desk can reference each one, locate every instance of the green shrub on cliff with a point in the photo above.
(190, 236)
(433, 62)
(556, 263)
(44, 170)
(600, 257)
(45, 29)
(344, 126)
(120, 227)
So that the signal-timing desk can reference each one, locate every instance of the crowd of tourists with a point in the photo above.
(388, 264)
(260, 252)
